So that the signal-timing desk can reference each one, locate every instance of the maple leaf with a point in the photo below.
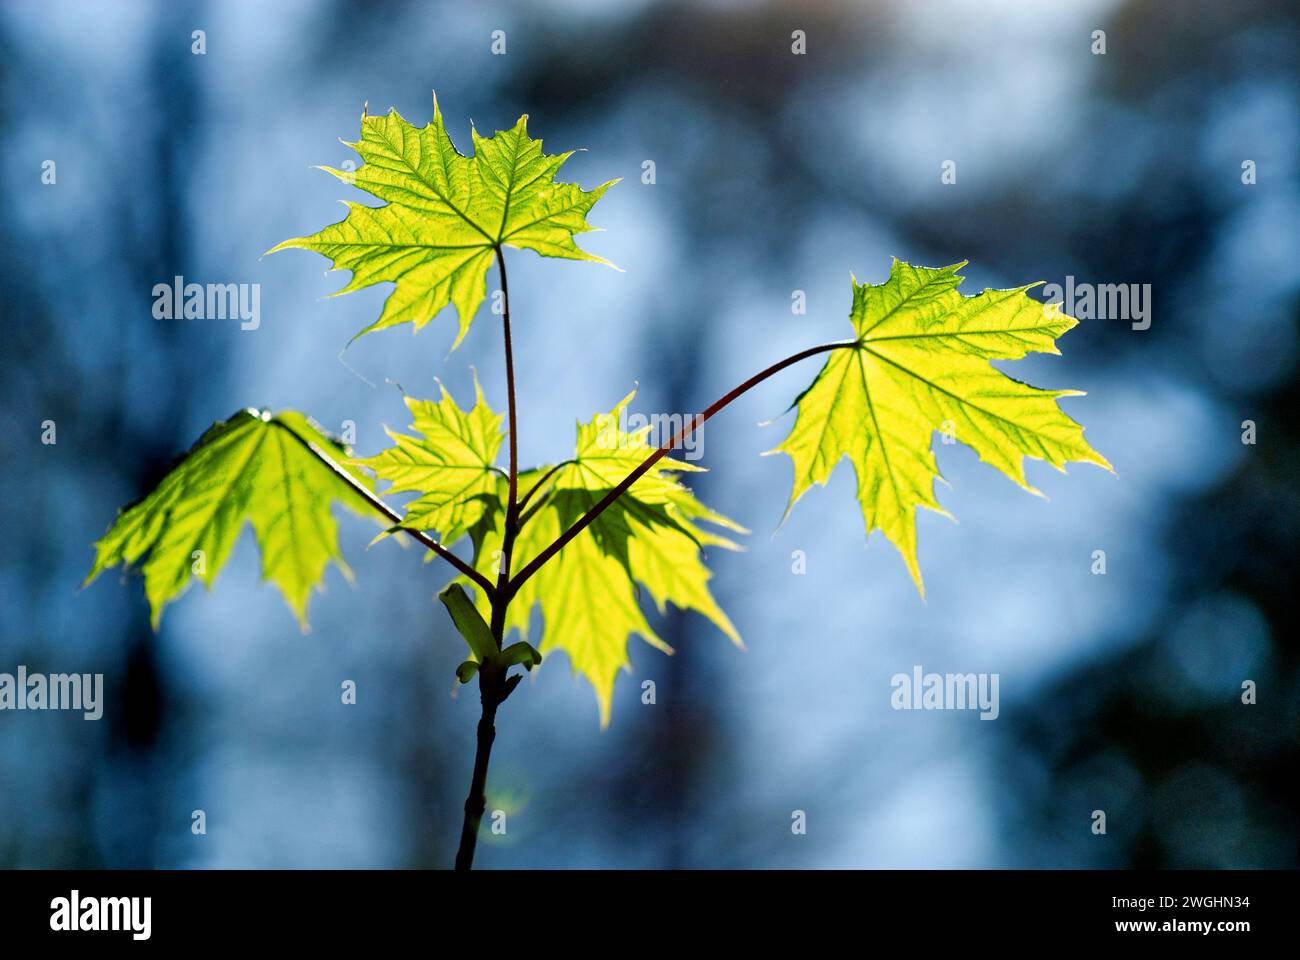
(453, 464)
(252, 467)
(920, 364)
(446, 215)
(588, 593)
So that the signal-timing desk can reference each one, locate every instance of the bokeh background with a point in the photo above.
(774, 173)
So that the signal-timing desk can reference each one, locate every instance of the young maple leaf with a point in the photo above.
(920, 364)
(453, 464)
(253, 467)
(589, 593)
(447, 214)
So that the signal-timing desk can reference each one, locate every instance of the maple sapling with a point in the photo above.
(579, 538)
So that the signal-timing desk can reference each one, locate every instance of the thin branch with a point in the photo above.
(691, 424)
(492, 691)
(528, 514)
(512, 502)
(491, 694)
(532, 511)
(540, 483)
(371, 498)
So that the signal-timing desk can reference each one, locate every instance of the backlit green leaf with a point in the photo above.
(254, 467)
(920, 364)
(446, 214)
(589, 593)
(452, 464)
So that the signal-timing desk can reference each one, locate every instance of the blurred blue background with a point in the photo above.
(774, 173)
